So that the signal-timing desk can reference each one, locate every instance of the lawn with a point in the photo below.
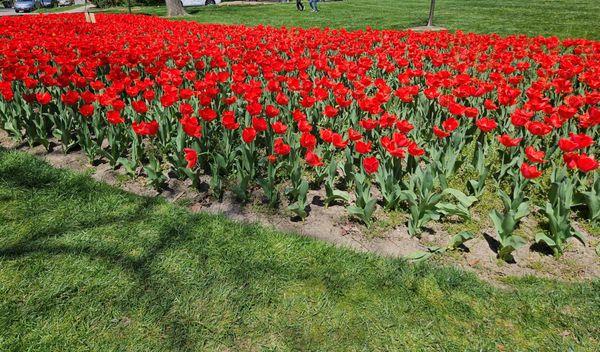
(84, 266)
(59, 9)
(563, 18)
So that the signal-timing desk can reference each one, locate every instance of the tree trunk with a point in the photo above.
(175, 8)
(431, 8)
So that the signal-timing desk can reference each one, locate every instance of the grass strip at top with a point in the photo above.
(87, 266)
(562, 18)
(59, 9)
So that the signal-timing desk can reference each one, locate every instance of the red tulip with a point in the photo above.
(279, 147)
(507, 141)
(313, 159)
(363, 147)
(370, 165)
(114, 117)
(43, 98)
(207, 114)
(145, 128)
(139, 106)
(86, 110)
(278, 127)
(70, 98)
(191, 127)
(354, 135)
(191, 156)
(326, 135)
(271, 111)
(450, 124)
(330, 111)
(259, 124)
(185, 109)
(582, 140)
(538, 128)
(254, 108)
(567, 145)
(571, 159)
(530, 171)
(228, 121)
(533, 155)
(308, 141)
(338, 141)
(440, 133)
(414, 150)
(586, 163)
(404, 126)
(486, 124)
(248, 134)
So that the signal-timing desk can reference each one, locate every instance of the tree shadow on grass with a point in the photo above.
(35, 178)
(245, 259)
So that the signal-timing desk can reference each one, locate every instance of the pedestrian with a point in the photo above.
(299, 5)
(313, 5)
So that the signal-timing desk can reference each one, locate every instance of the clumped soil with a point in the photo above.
(388, 237)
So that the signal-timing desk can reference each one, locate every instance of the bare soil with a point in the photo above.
(388, 237)
(427, 29)
(245, 3)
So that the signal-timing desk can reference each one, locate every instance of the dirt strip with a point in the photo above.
(389, 236)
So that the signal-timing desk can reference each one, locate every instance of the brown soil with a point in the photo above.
(245, 3)
(388, 237)
(427, 29)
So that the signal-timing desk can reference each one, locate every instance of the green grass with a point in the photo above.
(84, 266)
(59, 9)
(563, 18)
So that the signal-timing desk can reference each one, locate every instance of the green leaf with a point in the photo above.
(303, 189)
(370, 207)
(515, 242)
(418, 256)
(522, 211)
(452, 209)
(356, 211)
(459, 239)
(497, 220)
(542, 238)
(465, 201)
(299, 209)
(578, 235)
(505, 199)
(508, 224)
(341, 195)
(505, 253)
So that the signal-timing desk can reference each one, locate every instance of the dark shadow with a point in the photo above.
(98, 162)
(495, 247)
(541, 248)
(492, 242)
(297, 218)
(318, 201)
(463, 248)
(429, 230)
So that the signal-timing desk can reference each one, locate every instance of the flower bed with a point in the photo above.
(415, 122)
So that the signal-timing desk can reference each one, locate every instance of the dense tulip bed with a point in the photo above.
(373, 118)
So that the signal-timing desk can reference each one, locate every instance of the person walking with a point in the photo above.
(313, 5)
(299, 5)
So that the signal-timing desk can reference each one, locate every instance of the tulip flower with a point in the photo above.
(191, 156)
(370, 165)
(530, 171)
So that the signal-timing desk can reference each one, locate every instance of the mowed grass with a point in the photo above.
(562, 18)
(84, 266)
(59, 9)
